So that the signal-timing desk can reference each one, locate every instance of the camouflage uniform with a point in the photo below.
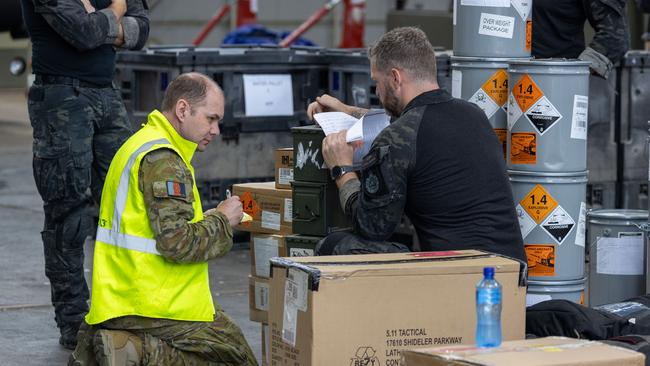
(79, 121)
(173, 342)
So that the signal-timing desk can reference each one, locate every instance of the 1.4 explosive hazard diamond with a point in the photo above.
(538, 203)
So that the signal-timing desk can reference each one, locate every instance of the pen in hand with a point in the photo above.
(245, 217)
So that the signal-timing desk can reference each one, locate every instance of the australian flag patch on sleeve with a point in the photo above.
(176, 189)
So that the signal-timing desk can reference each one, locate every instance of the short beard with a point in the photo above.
(391, 104)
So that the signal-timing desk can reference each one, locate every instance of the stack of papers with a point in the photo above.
(363, 130)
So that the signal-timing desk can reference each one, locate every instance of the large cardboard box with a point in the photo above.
(271, 208)
(264, 247)
(258, 299)
(283, 168)
(550, 351)
(347, 310)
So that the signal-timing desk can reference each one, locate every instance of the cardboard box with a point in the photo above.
(283, 168)
(258, 299)
(271, 208)
(550, 351)
(264, 247)
(365, 309)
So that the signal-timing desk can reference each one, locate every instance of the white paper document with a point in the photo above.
(360, 131)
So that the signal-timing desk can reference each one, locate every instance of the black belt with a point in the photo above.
(66, 80)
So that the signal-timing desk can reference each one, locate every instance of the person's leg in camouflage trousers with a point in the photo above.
(171, 342)
(65, 119)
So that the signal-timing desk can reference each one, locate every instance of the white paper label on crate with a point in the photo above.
(496, 25)
(285, 175)
(456, 83)
(543, 115)
(262, 296)
(620, 256)
(526, 223)
(295, 298)
(579, 118)
(483, 101)
(289, 322)
(270, 220)
(265, 248)
(523, 7)
(582, 225)
(494, 3)
(558, 224)
(514, 112)
(532, 299)
(301, 252)
(288, 210)
(268, 95)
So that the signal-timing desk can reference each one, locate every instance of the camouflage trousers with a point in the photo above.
(347, 242)
(76, 131)
(173, 342)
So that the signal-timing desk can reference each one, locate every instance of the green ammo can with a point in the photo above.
(309, 165)
(316, 208)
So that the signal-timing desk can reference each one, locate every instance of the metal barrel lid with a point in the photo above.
(558, 283)
(548, 177)
(467, 60)
(618, 214)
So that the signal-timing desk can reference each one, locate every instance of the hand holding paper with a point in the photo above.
(362, 131)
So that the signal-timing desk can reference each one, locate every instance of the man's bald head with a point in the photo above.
(192, 87)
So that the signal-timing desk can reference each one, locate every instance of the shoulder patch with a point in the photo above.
(172, 189)
(176, 189)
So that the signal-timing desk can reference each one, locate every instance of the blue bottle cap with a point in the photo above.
(488, 272)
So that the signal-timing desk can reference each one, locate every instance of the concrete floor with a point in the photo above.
(28, 333)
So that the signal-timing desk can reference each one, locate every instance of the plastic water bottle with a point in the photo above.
(488, 310)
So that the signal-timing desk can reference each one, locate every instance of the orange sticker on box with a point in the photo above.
(529, 35)
(249, 204)
(502, 134)
(523, 148)
(497, 87)
(541, 259)
(526, 92)
(538, 203)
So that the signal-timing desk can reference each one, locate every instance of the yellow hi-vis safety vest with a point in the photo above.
(130, 277)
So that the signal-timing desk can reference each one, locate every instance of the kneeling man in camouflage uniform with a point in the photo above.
(151, 302)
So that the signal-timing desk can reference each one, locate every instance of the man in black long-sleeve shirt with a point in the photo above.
(439, 162)
(79, 122)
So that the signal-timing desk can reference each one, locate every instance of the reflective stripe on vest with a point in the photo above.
(113, 236)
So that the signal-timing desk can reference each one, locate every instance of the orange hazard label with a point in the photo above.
(526, 92)
(529, 35)
(249, 205)
(541, 259)
(497, 87)
(538, 203)
(502, 134)
(523, 148)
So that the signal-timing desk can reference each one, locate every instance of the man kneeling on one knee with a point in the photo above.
(151, 302)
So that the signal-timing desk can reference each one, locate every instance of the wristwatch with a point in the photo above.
(337, 171)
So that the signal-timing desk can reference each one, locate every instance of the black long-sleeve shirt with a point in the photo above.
(68, 41)
(442, 164)
(558, 31)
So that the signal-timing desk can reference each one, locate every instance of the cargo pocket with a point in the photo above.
(49, 177)
(378, 184)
